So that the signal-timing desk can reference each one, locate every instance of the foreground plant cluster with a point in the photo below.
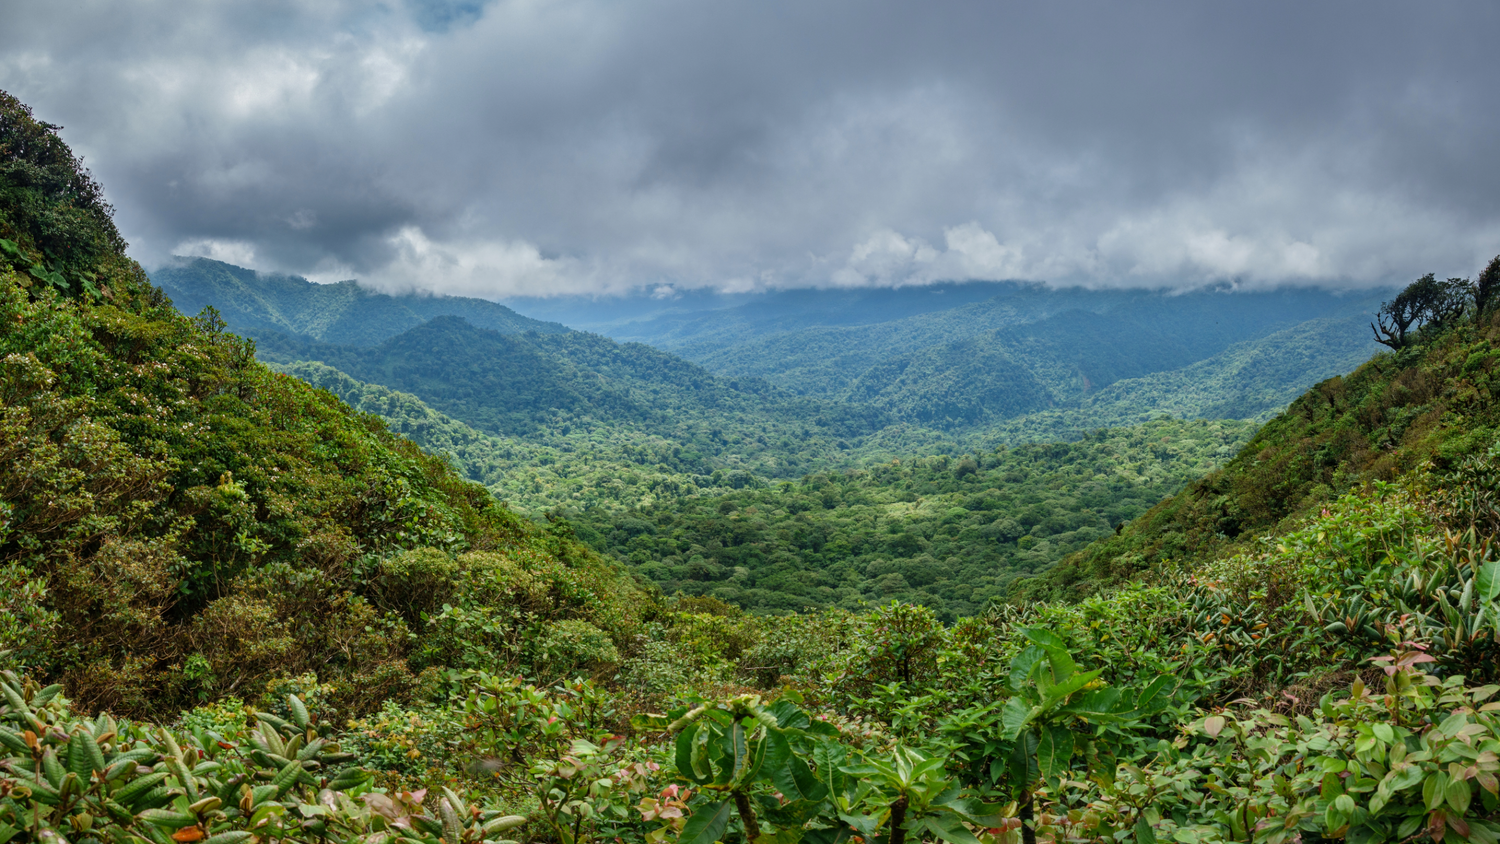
(1335, 683)
(234, 610)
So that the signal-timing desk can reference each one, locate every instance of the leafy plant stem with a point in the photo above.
(898, 821)
(747, 816)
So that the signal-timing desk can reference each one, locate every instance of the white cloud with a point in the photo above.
(477, 268)
(237, 252)
(549, 147)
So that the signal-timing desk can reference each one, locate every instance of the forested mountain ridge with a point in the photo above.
(898, 387)
(178, 523)
(573, 385)
(1068, 343)
(343, 313)
(1254, 379)
(603, 468)
(1430, 403)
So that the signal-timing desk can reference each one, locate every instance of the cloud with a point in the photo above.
(556, 146)
(483, 267)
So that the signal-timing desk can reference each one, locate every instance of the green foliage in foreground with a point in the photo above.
(944, 532)
(1329, 685)
(99, 779)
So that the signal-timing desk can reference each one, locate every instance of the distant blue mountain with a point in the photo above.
(344, 313)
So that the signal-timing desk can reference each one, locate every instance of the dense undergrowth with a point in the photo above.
(947, 533)
(237, 611)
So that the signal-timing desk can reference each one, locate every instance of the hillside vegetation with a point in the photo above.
(573, 389)
(947, 533)
(1429, 403)
(599, 469)
(177, 522)
(237, 611)
(345, 313)
(1057, 346)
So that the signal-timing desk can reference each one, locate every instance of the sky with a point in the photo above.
(553, 147)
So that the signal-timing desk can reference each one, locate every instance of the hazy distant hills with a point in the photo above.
(523, 385)
(736, 399)
(1074, 341)
(255, 303)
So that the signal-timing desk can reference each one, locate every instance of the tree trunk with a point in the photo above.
(747, 817)
(1028, 830)
(898, 819)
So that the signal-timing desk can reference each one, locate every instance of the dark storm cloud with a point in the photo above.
(591, 145)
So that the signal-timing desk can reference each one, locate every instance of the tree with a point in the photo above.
(1424, 302)
(1486, 288)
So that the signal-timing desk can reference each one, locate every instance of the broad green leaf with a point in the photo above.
(865, 825)
(1057, 651)
(1487, 581)
(1054, 750)
(1435, 790)
(789, 716)
(778, 749)
(1022, 663)
(739, 750)
(1014, 717)
(927, 766)
(1022, 763)
(979, 814)
(1067, 687)
(1156, 694)
(1102, 706)
(950, 828)
(1144, 834)
(690, 763)
(796, 781)
(837, 835)
(707, 824)
(1458, 795)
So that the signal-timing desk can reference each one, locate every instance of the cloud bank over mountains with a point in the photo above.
(540, 147)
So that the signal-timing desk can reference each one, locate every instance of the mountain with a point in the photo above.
(1428, 405)
(345, 313)
(1024, 362)
(675, 318)
(1073, 342)
(180, 524)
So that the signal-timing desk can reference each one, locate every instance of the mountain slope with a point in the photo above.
(1072, 341)
(343, 313)
(1249, 380)
(1436, 403)
(573, 389)
(1028, 363)
(180, 524)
